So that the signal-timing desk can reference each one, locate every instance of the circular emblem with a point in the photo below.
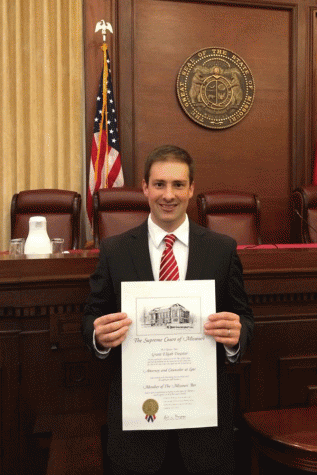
(150, 407)
(215, 88)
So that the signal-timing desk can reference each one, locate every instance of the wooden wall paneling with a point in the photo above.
(308, 156)
(299, 78)
(305, 161)
(9, 397)
(256, 154)
(57, 381)
(282, 293)
(304, 93)
(313, 89)
(125, 83)
(312, 395)
(298, 377)
(1, 408)
(285, 326)
(286, 341)
(45, 368)
(54, 382)
(271, 151)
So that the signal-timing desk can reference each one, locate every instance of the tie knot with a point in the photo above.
(169, 240)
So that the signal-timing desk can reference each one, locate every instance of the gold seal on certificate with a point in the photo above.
(150, 408)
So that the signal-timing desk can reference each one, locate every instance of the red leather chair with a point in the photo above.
(303, 204)
(233, 213)
(116, 210)
(60, 207)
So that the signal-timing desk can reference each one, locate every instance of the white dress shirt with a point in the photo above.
(180, 249)
(157, 246)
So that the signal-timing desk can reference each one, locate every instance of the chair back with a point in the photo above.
(303, 204)
(61, 209)
(116, 210)
(233, 213)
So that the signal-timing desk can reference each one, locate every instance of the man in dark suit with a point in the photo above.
(135, 256)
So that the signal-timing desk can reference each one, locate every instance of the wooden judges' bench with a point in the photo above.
(47, 376)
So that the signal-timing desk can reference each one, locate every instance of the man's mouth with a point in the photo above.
(168, 207)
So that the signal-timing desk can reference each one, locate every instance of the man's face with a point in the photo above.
(168, 192)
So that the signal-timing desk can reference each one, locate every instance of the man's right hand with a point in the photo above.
(111, 330)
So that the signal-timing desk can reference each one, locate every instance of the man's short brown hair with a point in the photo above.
(168, 153)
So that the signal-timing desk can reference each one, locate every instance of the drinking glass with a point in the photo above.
(16, 247)
(57, 245)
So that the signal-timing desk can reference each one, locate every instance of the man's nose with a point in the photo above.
(169, 193)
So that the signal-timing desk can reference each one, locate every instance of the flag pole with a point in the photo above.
(105, 160)
(103, 26)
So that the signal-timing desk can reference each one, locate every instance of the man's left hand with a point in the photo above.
(225, 327)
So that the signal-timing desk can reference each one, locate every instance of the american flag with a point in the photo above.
(105, 161)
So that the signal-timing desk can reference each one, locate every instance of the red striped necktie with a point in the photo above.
(168, 267)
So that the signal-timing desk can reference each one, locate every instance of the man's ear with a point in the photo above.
(192, 188)
(145, 187)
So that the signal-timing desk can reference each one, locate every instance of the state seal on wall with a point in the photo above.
(215, 87)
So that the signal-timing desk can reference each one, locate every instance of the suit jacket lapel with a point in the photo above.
(197, 254)
(140, 255)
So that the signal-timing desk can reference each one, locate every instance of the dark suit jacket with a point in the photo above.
(126, 258)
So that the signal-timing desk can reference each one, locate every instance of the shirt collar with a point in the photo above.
(157, 234)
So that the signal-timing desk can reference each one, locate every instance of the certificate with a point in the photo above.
(169, 367)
